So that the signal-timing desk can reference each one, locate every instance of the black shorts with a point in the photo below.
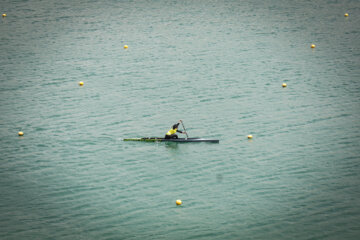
(171, 136)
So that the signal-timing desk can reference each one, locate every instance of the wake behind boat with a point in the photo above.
(155, 139)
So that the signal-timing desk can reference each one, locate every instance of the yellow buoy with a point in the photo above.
(346, 15)
(4, 14)
(313, 45)
(21, 133)
(284, 85)
(250, 136)
(126, 46)
(178, 202)
(81, 83)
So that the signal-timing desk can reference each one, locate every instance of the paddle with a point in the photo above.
(184, 129)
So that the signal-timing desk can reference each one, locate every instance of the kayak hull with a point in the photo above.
(180, 140)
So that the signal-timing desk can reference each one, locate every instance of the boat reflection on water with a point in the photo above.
(171, 145)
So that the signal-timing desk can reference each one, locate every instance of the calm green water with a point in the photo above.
(217, 65)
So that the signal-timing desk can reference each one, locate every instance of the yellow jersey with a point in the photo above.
(171, 132)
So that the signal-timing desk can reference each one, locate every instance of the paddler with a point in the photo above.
(172, 132)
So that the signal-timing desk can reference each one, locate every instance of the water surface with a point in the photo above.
(217, 65)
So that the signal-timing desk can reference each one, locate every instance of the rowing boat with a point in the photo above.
(155, 139)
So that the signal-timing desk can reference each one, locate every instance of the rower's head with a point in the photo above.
(175, 125)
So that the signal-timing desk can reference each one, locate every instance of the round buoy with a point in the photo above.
(178, 202)
(313, 45)
(346, 15)
(21, 133)
(284, 85)
(250, 136)
(4, 15)
(126, 46)
(81, 83)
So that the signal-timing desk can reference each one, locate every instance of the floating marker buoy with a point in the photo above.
(178, 202)
(284, 85)
(126, 46)
(81, 83)
(21, 133)
(250, 136)
(4, 15)
(346, 15)
(313, 45)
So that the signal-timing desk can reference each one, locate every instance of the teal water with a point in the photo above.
(217, 65)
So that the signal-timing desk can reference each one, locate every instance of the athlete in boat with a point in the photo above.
(172, 132)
